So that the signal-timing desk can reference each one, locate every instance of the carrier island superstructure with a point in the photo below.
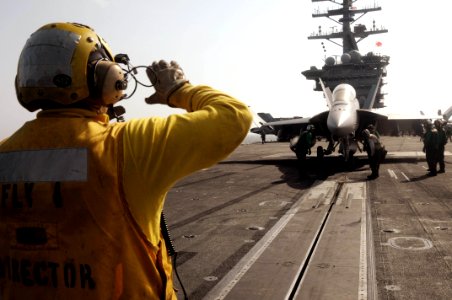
(365, 72)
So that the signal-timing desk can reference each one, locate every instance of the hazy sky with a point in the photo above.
(254, 50)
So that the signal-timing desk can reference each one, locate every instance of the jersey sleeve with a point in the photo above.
(159, 151)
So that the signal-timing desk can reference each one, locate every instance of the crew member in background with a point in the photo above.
(442, 141)
(431, 147)
(448, 129)
(305, 142)
(373, 131)
(383, 151)
(375, 152)
(82, 197)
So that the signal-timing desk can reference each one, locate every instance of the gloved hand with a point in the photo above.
(166, 78)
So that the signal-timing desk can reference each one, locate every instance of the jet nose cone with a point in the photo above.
(340, 120)
(339, 123)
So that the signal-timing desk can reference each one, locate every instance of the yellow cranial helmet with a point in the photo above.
(53, 67)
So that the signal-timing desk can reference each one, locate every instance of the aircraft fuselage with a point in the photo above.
(342, 121)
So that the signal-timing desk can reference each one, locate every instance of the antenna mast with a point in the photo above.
(364, 72)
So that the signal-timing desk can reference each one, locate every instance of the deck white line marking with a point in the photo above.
(362, 289)
(222, 289)
(392, 174)
(406, 177)
(233, 277)
(275, 155)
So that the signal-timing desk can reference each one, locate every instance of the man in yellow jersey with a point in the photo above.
(81, 197)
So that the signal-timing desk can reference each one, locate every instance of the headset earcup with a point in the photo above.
(107, 74)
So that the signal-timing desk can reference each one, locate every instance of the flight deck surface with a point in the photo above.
(260, 226)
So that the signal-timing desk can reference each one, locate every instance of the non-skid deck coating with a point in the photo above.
(260, 226)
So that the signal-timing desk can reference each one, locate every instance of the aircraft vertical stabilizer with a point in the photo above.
(327, 93)
(370, 101)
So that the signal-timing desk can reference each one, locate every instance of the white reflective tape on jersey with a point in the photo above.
(49, 165)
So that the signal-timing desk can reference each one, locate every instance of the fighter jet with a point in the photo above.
(284, 132)
(342, 124)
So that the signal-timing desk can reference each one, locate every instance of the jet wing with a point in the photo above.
(447, 114)
(288, 122)
(412, 117)
(394, 123)
(367, 117)
(319, 118)
(294, 125)
(319, 122)
(287, 129)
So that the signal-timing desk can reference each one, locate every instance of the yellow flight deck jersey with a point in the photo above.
(81, 199)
